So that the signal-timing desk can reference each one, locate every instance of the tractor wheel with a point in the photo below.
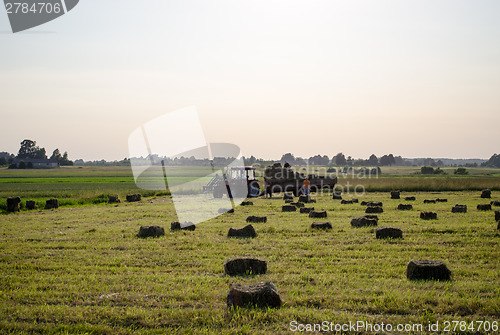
(253, 189)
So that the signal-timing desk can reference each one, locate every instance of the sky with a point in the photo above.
(412, 78)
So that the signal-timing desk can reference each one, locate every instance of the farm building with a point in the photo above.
(36, 163)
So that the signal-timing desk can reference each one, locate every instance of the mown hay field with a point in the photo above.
(83, 270)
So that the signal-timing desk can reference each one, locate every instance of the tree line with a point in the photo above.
(29, 150)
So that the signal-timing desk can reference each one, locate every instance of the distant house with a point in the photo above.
(36, 163)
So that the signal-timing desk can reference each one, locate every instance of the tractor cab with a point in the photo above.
(235, 177)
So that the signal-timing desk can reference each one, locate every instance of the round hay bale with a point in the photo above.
(374, 203)
(395, 195)
(306, 210)
(225, 210)
(388, 232)
(321, 225)
(185, 226)
(247, 231)
(261, 295)
(242, 266)
(288, 208)
(405, 207)
(247, 203)
(497, 215)
(374, 209)
(355, 201)
(288, 196)
(410, 198)
(459, 209)
(441, 200)
(13, 204)
(337, 196)
(484, 207)
(113, 199)
(427, 270)
(297, 204)
(365, 221)
(133, 197)
(428, 215)
(364, 203)
(486, 194)
(31, 205)
(288, 201)
(51, 203)
(426, 201)
(304, 198)
(495, 203)
(150, 231)
(318, 214)
(346, 202)
(257, 219)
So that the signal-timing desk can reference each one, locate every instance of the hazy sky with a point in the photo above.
(412, 78)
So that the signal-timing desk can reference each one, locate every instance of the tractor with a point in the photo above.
(239, 179)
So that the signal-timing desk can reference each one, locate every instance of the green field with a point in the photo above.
(81, 269)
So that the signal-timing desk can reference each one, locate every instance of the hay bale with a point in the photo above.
(405, 207)
(495, 203)
(257, 219)
(288, 201)
(312, 201)
(410, 198)
(247, 231)
(288, 196)
(374, 209)
(247, 203)
(318, 214)
(337, 196)
(441, 200)
(306, 210)
(372, 203)
(355, 201)
(484, 207)
(304, 198)
(365, 221)
(486, 194)
(364, 203)
(288, 208)
(242, 266)
(459, 209)
(428, 215)
(134, 197)
(395, 195)
(297, 204)
(113, 199)
(321, 225)
(261, 295)
(13, 204)
(31, 205)
(150, 231)
(225, 210)
(388, 232)
(497, 215)
(426, 201)
(186, 226)
(51, 203)
(427, 270)
(346, 202)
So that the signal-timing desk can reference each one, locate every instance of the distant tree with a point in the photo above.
(29, 149)
(288, 157)
(440, 163)
(3, 161)
(494, 161)
(398, 160)
(439, 171)
(387, 160)
(429, 162)
(21, 165)
(373, 160)
(426, 170)
(461, 171)
(319, 160)
(350, 160)
(56, 156)
(339, 159)
(65, 160)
